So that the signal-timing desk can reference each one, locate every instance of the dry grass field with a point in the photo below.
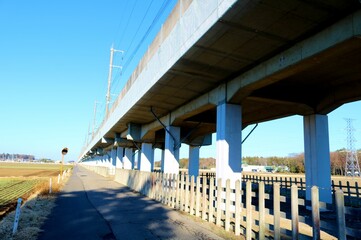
(22, 180)
(30, 182)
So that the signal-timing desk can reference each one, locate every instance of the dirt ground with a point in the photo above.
(11, 172)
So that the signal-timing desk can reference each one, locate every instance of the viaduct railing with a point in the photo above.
(246, 208)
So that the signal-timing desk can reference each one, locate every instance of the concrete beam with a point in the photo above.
(334, 100)
(287, 62)
(134, 132)
(121, 142)
(107, 140)
(203, 103)
(205, 140)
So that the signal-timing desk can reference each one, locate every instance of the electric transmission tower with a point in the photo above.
(352, 167)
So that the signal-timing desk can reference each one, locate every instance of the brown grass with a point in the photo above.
(41, 188)
(36, 206)
(32, 216)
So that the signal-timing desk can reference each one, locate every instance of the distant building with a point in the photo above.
(256, 168)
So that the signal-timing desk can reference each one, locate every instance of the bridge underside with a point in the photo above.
(247, 36)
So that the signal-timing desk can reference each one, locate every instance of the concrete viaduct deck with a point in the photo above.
(218, 66)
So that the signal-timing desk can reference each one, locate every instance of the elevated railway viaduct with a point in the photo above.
(218, 66)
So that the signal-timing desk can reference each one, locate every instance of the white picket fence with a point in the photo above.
(248, 210)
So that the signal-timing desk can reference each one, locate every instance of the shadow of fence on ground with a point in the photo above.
(91, 214)
(244, 209)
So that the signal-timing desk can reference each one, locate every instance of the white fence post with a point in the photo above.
(182, 193)
(175, 189)
(227, 221)
(186, 195)
(198, 196)
(315, 213)
(191, 204)
(219, 202)
(341, 223)
(211, 200)
(17, 216)
(177, 203)
(294, 211)
(249, 210)
(261, 205)
(204, 198)
(238, 200)
(276, 211)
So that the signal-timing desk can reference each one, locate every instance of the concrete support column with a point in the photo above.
(171, 150)
(139, 154)
(107, 161)
(317, 156)
(147, 157)
(119, 157)
(132, 160)
(228, 146)
(113, 155)
(128, 159)
(108, 158)
(103, 160)
(162, 161)
(193, 163)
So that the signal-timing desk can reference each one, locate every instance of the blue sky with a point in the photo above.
(54, 62)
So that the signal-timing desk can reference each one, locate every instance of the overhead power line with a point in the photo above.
(127, 24)
(160, 11)
(141, 23)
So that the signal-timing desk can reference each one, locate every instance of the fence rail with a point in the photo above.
(349, 185)
(246, 208)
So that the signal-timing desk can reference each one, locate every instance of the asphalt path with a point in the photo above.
(95, 207)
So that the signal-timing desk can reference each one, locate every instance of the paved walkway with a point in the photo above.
(94, 207)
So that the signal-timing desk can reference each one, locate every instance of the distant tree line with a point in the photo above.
(16, 157)
(295, 163)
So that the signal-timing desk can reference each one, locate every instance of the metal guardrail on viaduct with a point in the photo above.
(217, 66)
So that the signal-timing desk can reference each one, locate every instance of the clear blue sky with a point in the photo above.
(54, 62)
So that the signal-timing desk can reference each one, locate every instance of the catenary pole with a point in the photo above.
(112, 50)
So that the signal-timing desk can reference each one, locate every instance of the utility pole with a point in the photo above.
(352, 167)
(108, 96)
